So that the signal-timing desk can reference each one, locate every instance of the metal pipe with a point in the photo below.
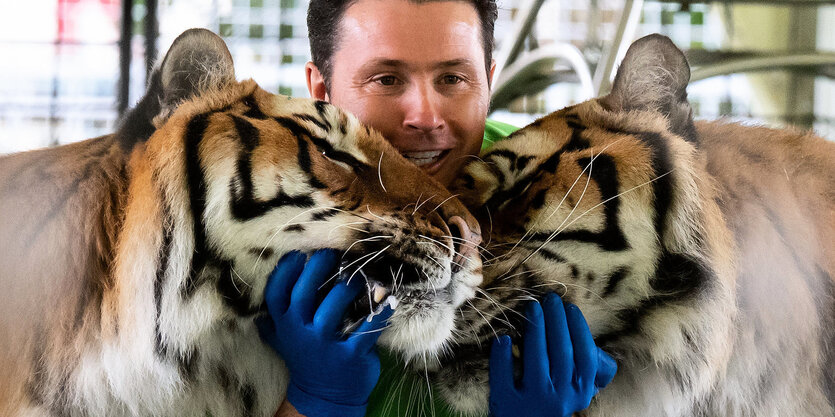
(125, 56)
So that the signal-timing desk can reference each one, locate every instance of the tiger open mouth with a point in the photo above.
(388, 280)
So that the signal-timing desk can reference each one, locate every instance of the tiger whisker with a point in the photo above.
(418, 206)
(378, 253)
(368, 209)
(368, 239)
(352, 214)
(438, 242)
(379, 171)
(522, 290)
(567, 193)
(443, 202)
(588, 167)
(455, 238)
(558, 231)
(485, 318)
(346, 266)
(348, 225)
(278, 230)
(428, 384)
(567, 284)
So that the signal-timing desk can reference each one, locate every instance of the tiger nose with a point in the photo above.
(465, 241)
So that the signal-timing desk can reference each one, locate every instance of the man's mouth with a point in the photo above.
(425, 159)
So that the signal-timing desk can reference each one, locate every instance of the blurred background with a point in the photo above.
(69, 68)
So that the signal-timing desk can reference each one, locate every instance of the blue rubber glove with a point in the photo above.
(330, 374)
(562, 368)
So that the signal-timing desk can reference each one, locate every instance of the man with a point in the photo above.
(420, 73)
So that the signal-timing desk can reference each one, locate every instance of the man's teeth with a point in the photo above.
(423, 158)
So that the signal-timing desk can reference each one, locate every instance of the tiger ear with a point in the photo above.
(653, 76)
(197, 61)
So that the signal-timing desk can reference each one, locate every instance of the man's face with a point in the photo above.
(416, 73)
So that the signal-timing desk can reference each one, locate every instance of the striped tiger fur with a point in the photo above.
(702, 254)
(132, 265)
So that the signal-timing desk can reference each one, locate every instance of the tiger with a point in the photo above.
(702, 254)
(133, 264)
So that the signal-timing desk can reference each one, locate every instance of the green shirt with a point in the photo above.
(400, 392)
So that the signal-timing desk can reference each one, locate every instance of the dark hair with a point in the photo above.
(324, 16)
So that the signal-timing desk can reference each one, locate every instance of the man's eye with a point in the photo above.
(387, 80)
(452, 79)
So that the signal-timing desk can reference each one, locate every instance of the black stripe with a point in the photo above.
(538, 200)
(577, 142)
(187, 365)
(254, 111)
(339, 191)
(515, 192)
(234, 291)
(248, 400)
(551, 164)
(677, 278)
(329, 151)
(241, 189)
(294, 228)
(662, 164)
(300, 132)
(551, 256)
(244, 206)
(614, 280)
(522, 162)
(321, 108)
(324, 125)
(261, 252)
(611, 238)
(197, 199)
(663, 187)
(224, 379)
(355, 205)
(323, 215)
(162, 267)
(469, 181)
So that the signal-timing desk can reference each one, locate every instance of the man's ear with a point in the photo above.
(315, 82)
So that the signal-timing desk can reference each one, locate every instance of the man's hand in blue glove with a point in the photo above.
(330, 374)
(562, 368)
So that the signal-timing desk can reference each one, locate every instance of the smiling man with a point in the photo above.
(418, 71)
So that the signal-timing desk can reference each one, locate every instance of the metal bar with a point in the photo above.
(614, 51)
(512, 45)
(124, 56)
(151, 36)
(766, 63)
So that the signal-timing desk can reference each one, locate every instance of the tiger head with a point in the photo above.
(601, 202)
(243, 176)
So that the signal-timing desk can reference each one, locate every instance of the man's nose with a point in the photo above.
(423, 109)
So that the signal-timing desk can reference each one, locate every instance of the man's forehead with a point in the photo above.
(393, 32)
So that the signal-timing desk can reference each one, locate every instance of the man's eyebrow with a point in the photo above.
(397, 63)
(455, 63)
